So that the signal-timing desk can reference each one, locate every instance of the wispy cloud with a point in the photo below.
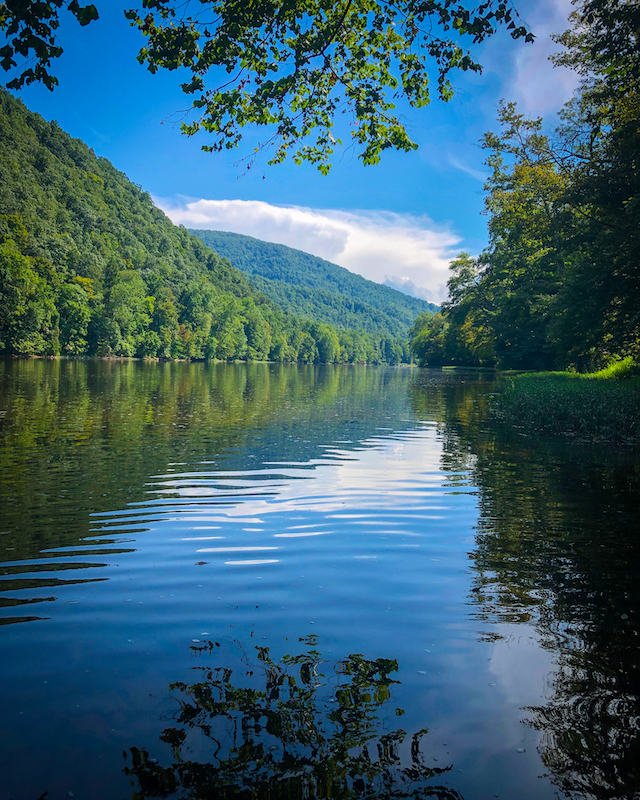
(460, 165)
(403, 250)
(537, 84)
(541, 87)
(527, 75)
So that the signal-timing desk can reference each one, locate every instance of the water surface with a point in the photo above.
(307, 582)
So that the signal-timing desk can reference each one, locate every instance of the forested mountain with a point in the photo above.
(89, 266)
(559, 285)
(312, 287)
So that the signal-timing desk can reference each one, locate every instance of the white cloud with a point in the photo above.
(402, 283)
(541, 87)
(528, 77)
(537, 84)
(379, 245)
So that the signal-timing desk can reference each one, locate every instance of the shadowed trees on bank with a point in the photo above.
(559, 285)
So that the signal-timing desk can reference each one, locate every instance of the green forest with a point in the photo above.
(559, 285)
(89, 266)
(317, 289)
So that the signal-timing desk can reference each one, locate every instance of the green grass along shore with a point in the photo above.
(597, 406)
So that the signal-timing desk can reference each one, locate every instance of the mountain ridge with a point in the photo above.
(312, 286)
(90, 267)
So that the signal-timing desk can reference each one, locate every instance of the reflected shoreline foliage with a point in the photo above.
(557, 549)
(556, 555)
(297, 727)
(70, 430)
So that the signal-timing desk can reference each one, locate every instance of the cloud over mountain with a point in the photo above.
(379, 245)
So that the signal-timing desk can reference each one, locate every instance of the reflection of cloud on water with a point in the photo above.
(383, 471)
(521, 665)
(390, 486)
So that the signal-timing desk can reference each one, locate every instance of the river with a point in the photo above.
(275, 581)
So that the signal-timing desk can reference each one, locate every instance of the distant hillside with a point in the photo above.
(89, 266)
(312, 287)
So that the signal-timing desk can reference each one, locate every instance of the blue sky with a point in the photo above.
(400, 221)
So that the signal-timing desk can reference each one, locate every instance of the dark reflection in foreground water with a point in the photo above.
(142, 505)
(300, 727)
(558, 547)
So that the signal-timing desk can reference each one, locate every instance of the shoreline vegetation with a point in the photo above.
(558, 286)
(557, 289)
(602, 406)
(188, 360)
(90, 267)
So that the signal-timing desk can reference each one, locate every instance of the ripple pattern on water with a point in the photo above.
(393, 488)
(150, 510)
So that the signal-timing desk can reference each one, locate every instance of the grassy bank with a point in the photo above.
(598, 406)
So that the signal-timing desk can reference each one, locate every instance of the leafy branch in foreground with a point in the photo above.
(293, 66)
(30, 32)
(289, 66)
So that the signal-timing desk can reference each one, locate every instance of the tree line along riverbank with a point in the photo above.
(558, 286)
(89, 266)
(557, 290)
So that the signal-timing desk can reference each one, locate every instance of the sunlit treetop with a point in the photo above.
(291, 66)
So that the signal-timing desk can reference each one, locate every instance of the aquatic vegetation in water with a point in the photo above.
(592, 407)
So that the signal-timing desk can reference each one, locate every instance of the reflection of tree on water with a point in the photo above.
(70, 430)
(557, 547)
(287, 729)
(591, 739)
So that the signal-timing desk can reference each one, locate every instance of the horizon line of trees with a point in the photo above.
(45, 313)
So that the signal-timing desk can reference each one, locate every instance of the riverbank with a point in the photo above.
(598, 406)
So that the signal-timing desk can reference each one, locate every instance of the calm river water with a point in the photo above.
(235, 581)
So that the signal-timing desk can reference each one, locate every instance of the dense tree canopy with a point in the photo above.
(89, 266)
(559, 285)
(290, 67)
(311, 287)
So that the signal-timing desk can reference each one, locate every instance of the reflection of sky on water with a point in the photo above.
(521, 665)
(380, 533)
(377, 537)
(361, 487)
